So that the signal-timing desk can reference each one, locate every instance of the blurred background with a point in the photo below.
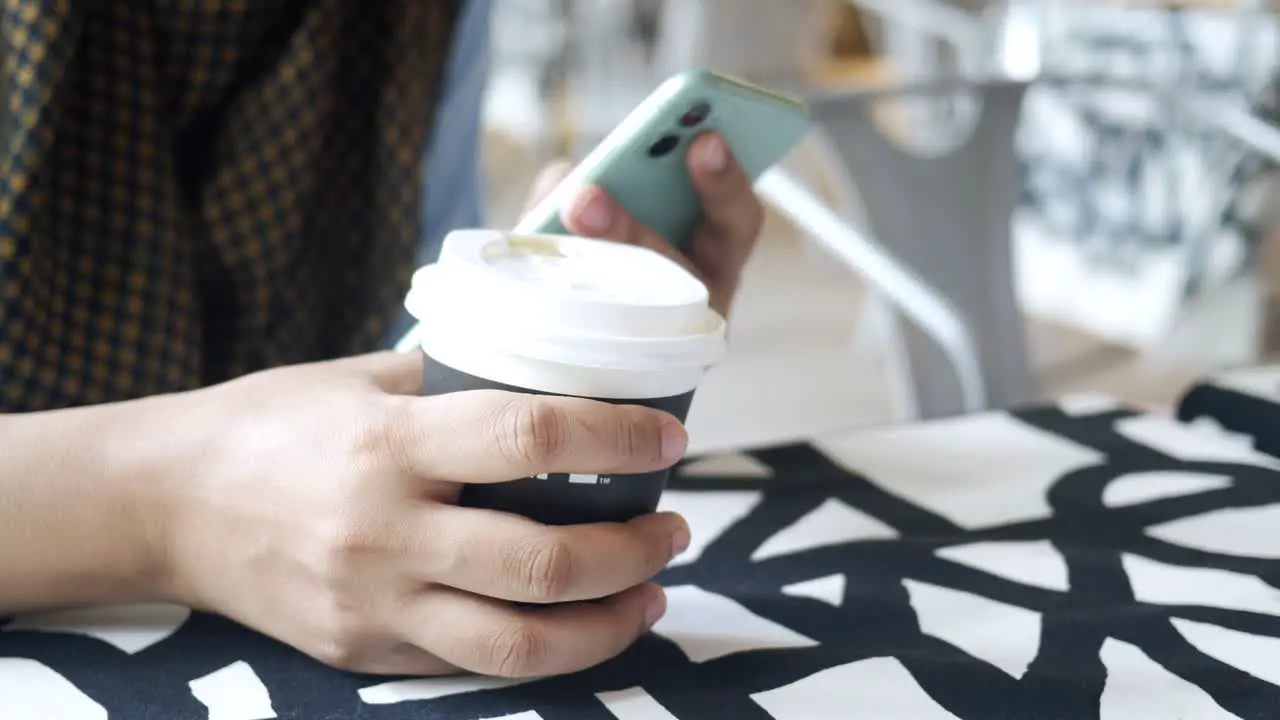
(1086, 186)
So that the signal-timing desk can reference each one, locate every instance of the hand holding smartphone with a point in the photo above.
(642, 164)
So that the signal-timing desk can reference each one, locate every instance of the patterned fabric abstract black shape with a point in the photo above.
(1245, 401)
(1056, 563)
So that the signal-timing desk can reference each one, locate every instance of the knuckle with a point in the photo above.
(639, 436)
(342, 551)
(345, 542)
(533, 431)
(655, 554)
(339, 639)
(647, 553)
(381, 433)
(543, 568)
(517, 649)
(336, 653)
(367, 435)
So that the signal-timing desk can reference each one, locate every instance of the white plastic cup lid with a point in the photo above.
(566, 299)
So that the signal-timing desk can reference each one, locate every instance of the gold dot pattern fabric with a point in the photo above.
(191, 190)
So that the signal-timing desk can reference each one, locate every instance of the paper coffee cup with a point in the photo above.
(562, 315)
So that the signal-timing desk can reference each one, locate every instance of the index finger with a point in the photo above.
(491, 436)
(730, 207)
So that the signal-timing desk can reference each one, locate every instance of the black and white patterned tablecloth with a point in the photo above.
(1074, 561)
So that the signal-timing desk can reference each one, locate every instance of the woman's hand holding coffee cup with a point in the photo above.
(318, 506)
(732, 219)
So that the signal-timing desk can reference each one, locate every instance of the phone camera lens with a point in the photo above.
(664, 146)
(695, 115)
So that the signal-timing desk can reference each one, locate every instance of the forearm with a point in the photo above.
(80, 521)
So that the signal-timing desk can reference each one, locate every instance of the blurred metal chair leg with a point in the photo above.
(769, 43)
(947, 216)
(929, 310)
(965, 349)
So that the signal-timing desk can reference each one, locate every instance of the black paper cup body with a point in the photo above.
(559, 498)
(564, 316)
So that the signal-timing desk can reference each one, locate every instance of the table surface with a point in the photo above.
(1070, 561)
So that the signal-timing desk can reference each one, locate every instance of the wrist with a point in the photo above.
(144, 459)
(79, 525)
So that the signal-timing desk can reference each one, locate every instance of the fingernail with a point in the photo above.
(595, 215)
(656, 608)
(714, 155)
(674, 442)
(680, 541)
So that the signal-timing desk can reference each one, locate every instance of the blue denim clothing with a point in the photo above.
(454, 175)
(452, 165)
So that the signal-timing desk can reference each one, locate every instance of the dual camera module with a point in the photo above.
(692, 118)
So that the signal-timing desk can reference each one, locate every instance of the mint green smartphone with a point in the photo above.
(642, 164)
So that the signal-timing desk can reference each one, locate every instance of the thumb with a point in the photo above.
(547, 179)
(398, 372)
